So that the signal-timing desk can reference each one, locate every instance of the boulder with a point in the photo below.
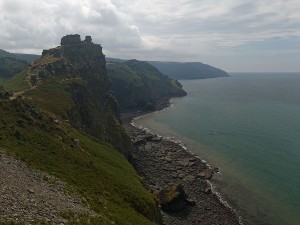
(207, 174)
(173, 199)
(184, 162)
(207, 190)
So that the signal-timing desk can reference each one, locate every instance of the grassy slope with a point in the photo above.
(96, 171)
(138, 84)
(188, 70)
(10, 66)
(17, 83)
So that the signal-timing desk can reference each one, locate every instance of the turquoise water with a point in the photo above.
(249, 126)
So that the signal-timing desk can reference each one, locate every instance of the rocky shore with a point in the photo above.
(179, 179)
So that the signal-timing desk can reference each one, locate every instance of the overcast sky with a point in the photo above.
(234, 35)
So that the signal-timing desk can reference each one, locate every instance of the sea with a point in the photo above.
(248, 125)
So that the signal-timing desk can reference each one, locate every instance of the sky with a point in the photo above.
(234, 35)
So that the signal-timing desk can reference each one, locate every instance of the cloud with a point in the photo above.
(183, 30)
(39, 24)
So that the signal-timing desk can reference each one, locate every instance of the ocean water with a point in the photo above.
(248, 125)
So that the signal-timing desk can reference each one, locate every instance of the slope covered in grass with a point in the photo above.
(188, 70)
(94, 169)
(138, 85)
(64, 120)
(10, 66)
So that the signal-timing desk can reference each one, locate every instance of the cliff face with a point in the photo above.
(81, 67)
(63, 119)
(138, 85)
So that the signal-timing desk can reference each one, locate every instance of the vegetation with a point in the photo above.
(10, 66)
(188, 70)
(138, 85)
(20, 56)
(18, 82)
(66, 122)
(93, 168)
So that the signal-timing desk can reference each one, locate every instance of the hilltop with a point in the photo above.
(20, 56)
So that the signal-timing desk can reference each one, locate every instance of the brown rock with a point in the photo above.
(207, 190)
(30, 190)
(173, 199)
(184, 162)
(206, 174)
(189, 178)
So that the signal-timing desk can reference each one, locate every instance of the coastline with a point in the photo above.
(163, 162)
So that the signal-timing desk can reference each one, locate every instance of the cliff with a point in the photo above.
(138, 85)
(188, 70)
(63, 119)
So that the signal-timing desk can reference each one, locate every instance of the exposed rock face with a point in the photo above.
(95, 110)
(71, 39)
(88, 39)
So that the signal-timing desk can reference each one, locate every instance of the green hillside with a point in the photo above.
(20, 56)
(10, 66)
(92, 168)
(138, 85)
(64, 120)
(188, 70)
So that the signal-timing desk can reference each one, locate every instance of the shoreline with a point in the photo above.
(163, 162)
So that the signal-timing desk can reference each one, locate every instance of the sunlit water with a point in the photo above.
(249, 126)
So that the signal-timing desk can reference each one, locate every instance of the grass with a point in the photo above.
(52, 95)
(93, 169)
(17, 83)
(2, 79)
(120, 71)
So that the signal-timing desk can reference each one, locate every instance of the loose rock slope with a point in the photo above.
(163, 163)
(29, 195)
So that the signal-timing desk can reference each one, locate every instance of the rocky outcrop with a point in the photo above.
(173, 199)
(95, 109)
(208, 173)
(71, 39)
(88, 39)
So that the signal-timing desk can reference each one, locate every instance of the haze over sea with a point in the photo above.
(248, 125)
